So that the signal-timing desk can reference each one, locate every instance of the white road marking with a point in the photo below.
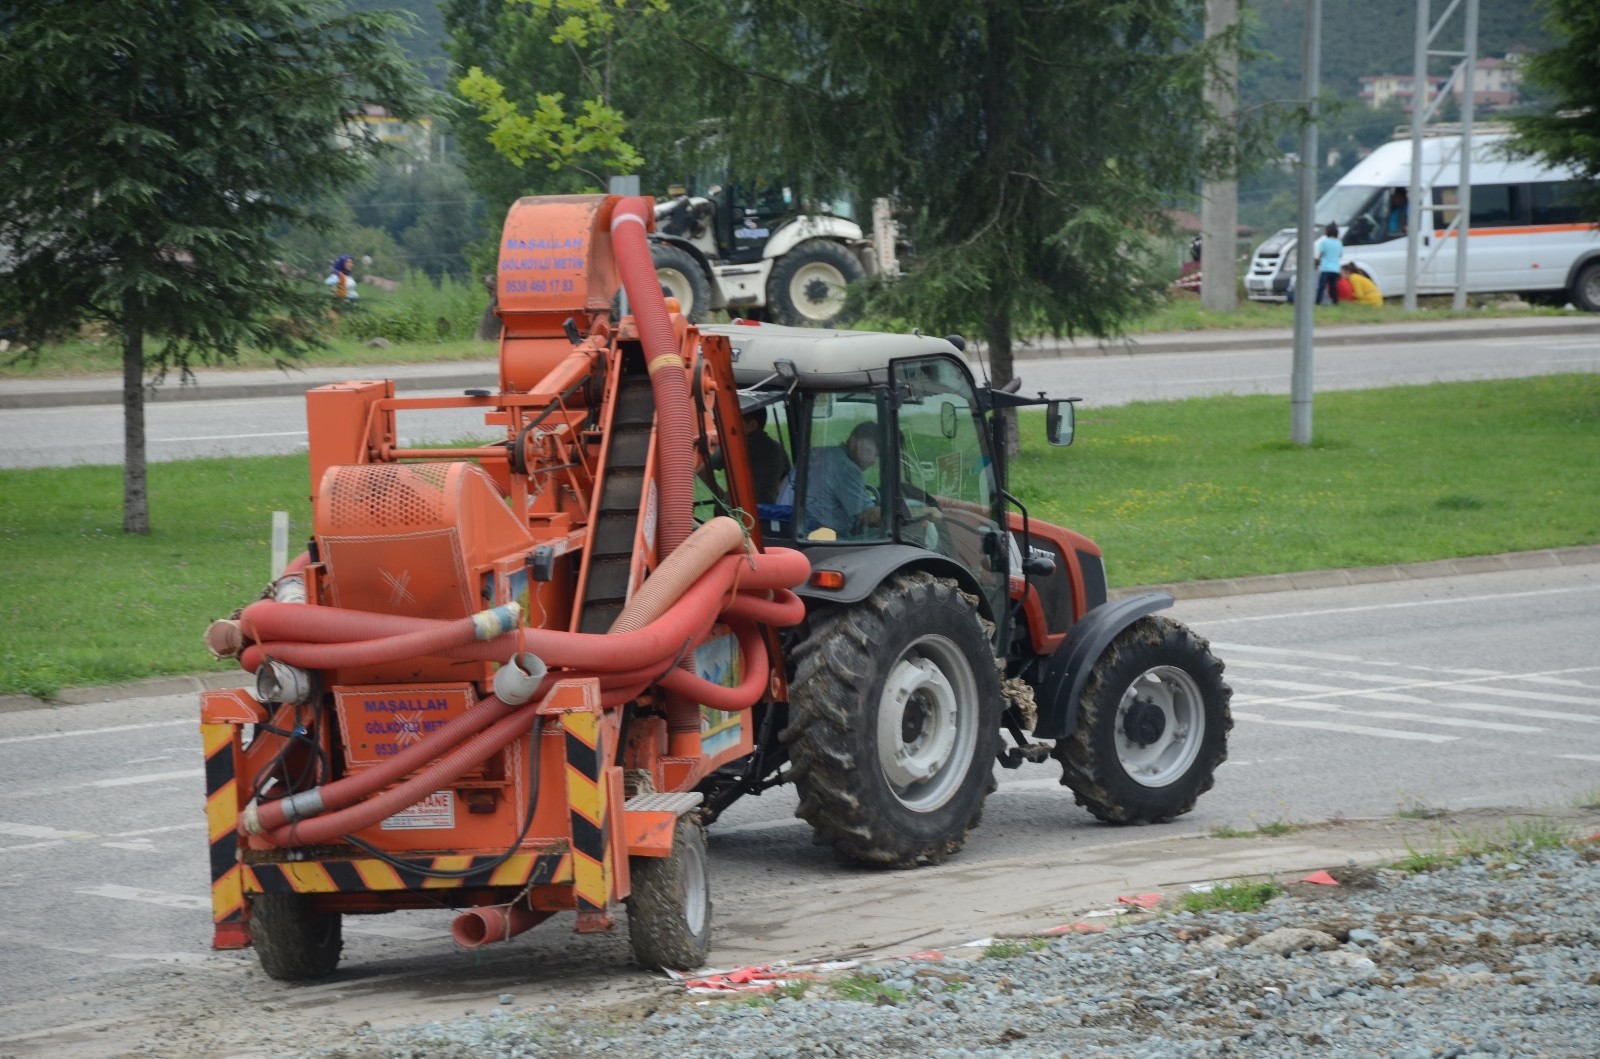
(95, 731)
(231, 437)
(1404, 715)
(163, 898)
(142, 845)
(1350, 729)
(1580, 757)
(1536, 696)
(32, 845)
(1519, 711)
(1405, 605)
(35, 831)
(116, 781)
(195, 826)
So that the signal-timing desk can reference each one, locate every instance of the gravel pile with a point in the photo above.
(1497, 957)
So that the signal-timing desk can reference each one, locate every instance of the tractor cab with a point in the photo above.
(891, 457)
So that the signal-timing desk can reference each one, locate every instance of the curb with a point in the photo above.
(1579, 555)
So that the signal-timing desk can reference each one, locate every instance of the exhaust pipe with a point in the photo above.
(483, 926)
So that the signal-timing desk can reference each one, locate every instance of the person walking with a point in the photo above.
(1329, 253)
(340, 282)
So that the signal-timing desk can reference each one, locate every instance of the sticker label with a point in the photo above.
(436, 811)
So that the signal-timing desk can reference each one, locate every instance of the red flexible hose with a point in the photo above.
(630, 222)
(335, 825)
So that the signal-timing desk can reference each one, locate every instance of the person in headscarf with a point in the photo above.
(340, 282)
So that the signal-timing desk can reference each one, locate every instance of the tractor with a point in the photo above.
(520, 678)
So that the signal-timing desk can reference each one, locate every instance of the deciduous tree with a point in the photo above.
(148, 150)
(1033, 146)
(1568, 133)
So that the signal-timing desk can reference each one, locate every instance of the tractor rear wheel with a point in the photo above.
(1153, 725)
(293, 940)
(894, 723)
(669, 910)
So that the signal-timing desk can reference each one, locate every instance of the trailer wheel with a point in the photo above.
(681, 278)
(669, 910)
(894, 723)
(1152, 727)
(1586, 288)
(808, 283)
(292, 940)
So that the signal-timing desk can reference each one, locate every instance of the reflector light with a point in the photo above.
(827, 579)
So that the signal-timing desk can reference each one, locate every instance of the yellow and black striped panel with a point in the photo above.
(222, 827)
(364, 876)
(586, 798)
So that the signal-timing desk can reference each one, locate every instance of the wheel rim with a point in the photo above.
(696, 888)
(1161, 723)
(927, 723)
(674, 284)
(816, 290)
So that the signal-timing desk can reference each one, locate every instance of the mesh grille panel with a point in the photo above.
(387, 496)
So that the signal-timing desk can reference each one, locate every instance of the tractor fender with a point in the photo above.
(1069, 668)
(866, 568)
(822, 226)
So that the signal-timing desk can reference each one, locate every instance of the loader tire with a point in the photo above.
(681, 278)
(294, 941)
(669, 910)
(808, 284)
(1153, 724)
(894, 723)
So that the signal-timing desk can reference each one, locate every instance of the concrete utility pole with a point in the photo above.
(1219, 199)
(1305, 283)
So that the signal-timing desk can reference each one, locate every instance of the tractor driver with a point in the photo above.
(837, 495)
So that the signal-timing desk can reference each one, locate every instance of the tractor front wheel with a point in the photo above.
(1152, 728)
(293, 940)
(895, 723)
(669, 910)
(681, 278)
(808, 284)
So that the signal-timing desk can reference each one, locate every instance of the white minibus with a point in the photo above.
(1525, 234)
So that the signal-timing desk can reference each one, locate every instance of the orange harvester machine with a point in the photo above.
(499, 671)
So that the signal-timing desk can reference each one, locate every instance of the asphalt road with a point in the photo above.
(1237, 362)
(1350, 702)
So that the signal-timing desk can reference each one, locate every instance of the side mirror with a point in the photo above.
(947, 419)
(1059, 422)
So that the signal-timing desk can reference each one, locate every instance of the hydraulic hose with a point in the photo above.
(700, 550)
(630, 222)
(332, 826)
(340, 793)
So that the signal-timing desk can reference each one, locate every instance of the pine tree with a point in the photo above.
(149, 150)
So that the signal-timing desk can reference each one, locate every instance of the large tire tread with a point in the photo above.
(834, 666)
(293, 941)
(1090, 768)
(658, 931)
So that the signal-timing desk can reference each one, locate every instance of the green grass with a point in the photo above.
(1274, 829)
(1008, 948)
(1213, 488)
(865, 989)
(87, 604)
(1518, 839)
(1241, 896)
(1171, 491)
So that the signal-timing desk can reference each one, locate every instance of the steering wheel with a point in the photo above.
(859, 528)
